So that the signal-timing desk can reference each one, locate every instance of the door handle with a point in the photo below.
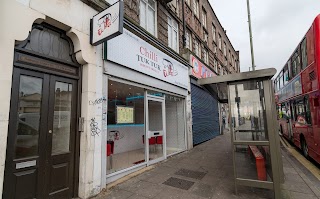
(50, 131)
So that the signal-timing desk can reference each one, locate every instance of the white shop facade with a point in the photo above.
(144, 115)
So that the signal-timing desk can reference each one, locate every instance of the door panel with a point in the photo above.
(156, 135)
(41, 137)
(62, 120)
(27, 111)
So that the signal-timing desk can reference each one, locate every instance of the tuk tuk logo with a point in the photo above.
(168, 68)
(105, 22)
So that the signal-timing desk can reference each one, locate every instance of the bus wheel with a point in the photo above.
(304, 148)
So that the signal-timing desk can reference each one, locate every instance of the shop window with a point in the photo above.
(175, 124)
(173, 34)
(148, 15)
(125, 120)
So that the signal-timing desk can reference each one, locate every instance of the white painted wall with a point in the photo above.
(74, 16)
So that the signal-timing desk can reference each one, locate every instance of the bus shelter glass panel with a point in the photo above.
(253, 162)
(252, 156)
(248, 111)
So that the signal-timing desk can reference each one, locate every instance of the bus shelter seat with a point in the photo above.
(260, 163)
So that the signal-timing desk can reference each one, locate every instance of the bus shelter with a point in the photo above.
(257, 160)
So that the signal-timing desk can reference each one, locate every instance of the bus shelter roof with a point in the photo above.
(218, 84)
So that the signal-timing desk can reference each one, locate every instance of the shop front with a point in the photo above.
(205, 107)
(146, 105)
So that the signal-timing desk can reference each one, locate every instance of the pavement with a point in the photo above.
(206, 171)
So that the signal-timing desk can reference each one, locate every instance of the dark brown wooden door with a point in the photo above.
(41, 138)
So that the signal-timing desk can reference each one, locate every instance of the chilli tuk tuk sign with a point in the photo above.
(133, 52)
(199, 70)
(107, 24)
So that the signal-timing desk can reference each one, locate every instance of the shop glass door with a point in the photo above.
(155, 129)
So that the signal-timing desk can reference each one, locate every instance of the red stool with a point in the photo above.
(159, 141)
(152, 140)
(110, 150)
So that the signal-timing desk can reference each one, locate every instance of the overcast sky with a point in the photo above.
(277, 25)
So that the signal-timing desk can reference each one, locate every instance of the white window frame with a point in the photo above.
(214, 32)
(188, 40)
(215, 65)
(220, 42)
(225, 49)
(146, 14)
(205, 56)
(197, 48)
(196, 7)
(204, 18)
(205, 36)
(174, 27)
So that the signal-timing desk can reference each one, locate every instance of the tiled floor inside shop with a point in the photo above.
(131, 158)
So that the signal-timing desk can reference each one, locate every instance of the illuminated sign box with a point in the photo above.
(107, 24)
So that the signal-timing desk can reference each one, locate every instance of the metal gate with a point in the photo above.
(205, 115)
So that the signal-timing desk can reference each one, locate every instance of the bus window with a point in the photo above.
(289, 69)
(300, 111)
(283, 111)
(281, 80)
(304, 56)
(308, 112)
(285, 76)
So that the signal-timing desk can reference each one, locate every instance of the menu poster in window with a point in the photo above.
(125, 115)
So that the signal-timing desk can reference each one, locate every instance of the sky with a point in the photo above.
(277, 28)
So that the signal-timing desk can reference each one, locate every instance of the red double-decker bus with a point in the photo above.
(298, 95)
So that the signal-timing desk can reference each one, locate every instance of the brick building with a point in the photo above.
(75, 117)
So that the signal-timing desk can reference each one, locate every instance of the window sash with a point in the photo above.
(148, 15)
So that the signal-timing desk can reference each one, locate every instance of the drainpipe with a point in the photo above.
(184, 26)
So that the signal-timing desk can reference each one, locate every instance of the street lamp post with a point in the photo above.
(250, 32)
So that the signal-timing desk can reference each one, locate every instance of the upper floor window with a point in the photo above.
(215, 65)
(224, 49)
(188, 40)
(229, 56)
(197, 47)
(205, 36)
(204, 18)
(220, 42)
(213, 33)
(196, 7)
(173, 34)
(148, 15)
(205, 56)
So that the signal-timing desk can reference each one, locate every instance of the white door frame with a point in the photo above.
(148, 133)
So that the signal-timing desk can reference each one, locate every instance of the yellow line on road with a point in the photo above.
(312, 168)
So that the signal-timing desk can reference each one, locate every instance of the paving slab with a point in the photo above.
(209, 167)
